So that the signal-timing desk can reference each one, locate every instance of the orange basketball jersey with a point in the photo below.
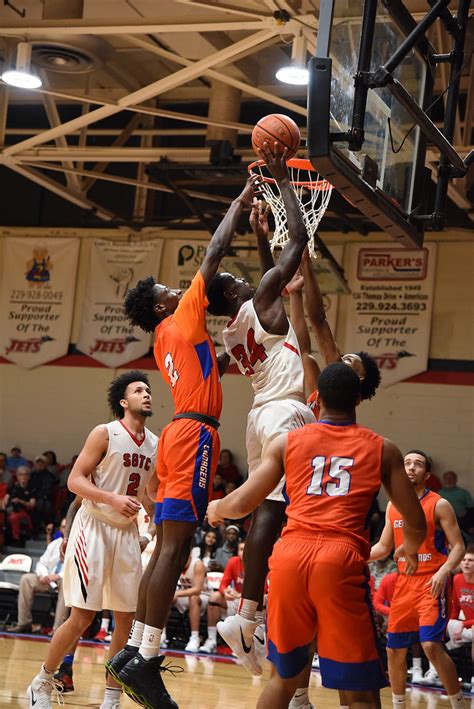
(186, 357)
(332, 475)
(433, 552)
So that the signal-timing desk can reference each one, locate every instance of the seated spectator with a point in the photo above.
(459, 498)
(43, 482)
(433, 482)
(229, 548)
(380, 568)
(46, 579)
(383, 597)
(206, 551)
(462, 611)
(218, 487)
(15, 460)
(62, 495)
(225, 601)
(228, 469)
(6, 480)
(190, 596)
(20, 504)
(230, 486)
(52, 462)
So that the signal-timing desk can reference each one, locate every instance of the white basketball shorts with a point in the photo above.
(102, 565)
(182, 603)
(266, 422)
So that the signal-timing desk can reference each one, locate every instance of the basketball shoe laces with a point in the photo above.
(45, 692)
(172, 669)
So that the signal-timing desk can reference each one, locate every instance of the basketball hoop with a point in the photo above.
(312, 192)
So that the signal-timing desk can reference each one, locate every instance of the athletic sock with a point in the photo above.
(457, 700)
(105, 624)
(112, 694)
(150, 645)
(136, 634)
(248, 609)
(195, 634)
(68, 659)
(300, 698)
(260, 617)
(416, 662)
(212, 633)
(398, 701)
(45, 674)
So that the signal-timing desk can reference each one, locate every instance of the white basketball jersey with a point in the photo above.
(126, 469)
(186, 578)
(273, 362)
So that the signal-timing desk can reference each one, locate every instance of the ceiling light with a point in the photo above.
(21, 76)
(296, 72)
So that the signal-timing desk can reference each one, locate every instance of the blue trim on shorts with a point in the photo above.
(202, 474)
(288, 664)
(352, 676)
(436, 632)
(158, 511)
(177, 510)
(396, 641)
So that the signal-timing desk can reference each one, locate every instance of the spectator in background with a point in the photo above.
(6, 480)
(228, 469)
(225, 601)
(462, 612)
(15, 460)
(229, 548)
(20, 504)
(218, 488)
(43, 482)
(376, 521)
(380, 568)
(52, 461)
(459, 498)
(63, 496)
(433, 482)
(46, 579)
(206, 551)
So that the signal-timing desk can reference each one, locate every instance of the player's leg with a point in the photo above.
(397, 672)
(444, 666)
(215, 607)
(113, 690)
(197, 605)
(278, 692)
(402, 632)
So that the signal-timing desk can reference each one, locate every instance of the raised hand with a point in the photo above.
(295, 285)
(252, 188)
(275, 160)
(259, 218)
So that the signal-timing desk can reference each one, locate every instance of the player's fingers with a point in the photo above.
(284, 154)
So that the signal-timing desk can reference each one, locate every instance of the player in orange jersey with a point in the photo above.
(188, 450)
(319, 579)
(420, 604)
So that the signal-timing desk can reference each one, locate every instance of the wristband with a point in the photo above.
(148, 536)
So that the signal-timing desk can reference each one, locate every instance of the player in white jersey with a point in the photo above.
(102, 566)
(263, 343)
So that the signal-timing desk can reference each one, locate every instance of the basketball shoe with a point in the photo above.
(193, 645)
(208, 647)
(260, 644)
(238, 634)
(430, 678)
(40, 691)
(64, 677)
(116, 663)
(142, 681)
(300, 700)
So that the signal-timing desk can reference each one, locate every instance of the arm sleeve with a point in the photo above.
(190, 315)
(228, 575)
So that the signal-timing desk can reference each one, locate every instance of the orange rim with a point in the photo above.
(298, 164)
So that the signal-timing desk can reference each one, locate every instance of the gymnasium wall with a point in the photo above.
(56, 406)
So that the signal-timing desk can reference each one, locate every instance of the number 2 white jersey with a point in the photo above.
(273, 362)
(125, 469)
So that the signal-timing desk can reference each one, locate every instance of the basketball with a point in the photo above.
(279, 128)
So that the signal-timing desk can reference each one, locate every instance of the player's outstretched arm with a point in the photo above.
(255, 489)
(222, 237)
(446, 519)
(79, 480)
(275, 280)
(298, 321)
(259, 223)
(317, 315)
(403, 496)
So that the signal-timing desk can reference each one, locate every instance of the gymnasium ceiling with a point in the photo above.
(136, 92)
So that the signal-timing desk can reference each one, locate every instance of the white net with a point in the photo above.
(313, 194)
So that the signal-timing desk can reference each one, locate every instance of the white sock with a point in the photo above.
(433, 669)
(212, 633)
(248, 609)
(150, 645)
(416, 662)
(195, 634)
(136, 634)
(112, 693)
(44, 673)
(105, 624)
(260, 617)
(457, 700)
(300, 697)
(398, 701)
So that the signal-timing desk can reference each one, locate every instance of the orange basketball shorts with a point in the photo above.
(188, 453)
(318, 587)
(415, 615)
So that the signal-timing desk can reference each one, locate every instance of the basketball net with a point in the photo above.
(312, 192)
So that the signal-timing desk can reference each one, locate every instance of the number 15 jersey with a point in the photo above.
(273, 362)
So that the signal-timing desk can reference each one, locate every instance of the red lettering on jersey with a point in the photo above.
(135, 460)
(133, 484)
(126, 460)
(147, 463)
(248, 358)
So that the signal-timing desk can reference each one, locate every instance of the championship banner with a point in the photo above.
(37, 298)
(389, 313)
(187, 259)
(115, 267)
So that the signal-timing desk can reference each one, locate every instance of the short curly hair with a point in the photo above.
(371, 380)
(118, 387)
(218, 303)
(139, 303)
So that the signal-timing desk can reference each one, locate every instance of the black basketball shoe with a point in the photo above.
(142, 681)
(116, 663)
(64, 677)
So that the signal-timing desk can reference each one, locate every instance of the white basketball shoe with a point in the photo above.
(238, 634)
(40, 691)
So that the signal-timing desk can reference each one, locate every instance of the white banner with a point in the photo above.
(115, 267)
(390, 307)
(37, 297)
(187, 259)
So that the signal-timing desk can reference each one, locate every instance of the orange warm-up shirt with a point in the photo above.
(332, 476)
(186, 357)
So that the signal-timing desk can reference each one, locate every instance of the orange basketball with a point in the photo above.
(277, 128)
